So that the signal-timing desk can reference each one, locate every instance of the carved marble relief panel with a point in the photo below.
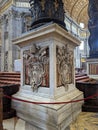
(36, 67)
(64, 66)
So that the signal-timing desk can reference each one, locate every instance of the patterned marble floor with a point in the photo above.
(85, 121)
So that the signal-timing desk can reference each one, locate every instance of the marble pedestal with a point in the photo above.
(47, 55)
(92, 68)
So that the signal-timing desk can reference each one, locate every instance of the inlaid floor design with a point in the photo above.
(85, 121)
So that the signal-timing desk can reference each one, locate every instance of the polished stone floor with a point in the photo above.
(85, 121)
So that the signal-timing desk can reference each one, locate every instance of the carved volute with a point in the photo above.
(44, 11)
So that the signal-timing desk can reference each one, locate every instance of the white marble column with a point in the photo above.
(10, 54)
(52, 70)
(2, 42)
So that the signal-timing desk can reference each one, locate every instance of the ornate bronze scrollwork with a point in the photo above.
(44, 11)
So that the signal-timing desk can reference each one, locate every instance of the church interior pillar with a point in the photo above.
(92, 61)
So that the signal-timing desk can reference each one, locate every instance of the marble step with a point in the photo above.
(80, 78)
(9, 79)
(80, 75)
(10, 73)
(9, 82)
(18, 76)
(83, 80)
(85, 121)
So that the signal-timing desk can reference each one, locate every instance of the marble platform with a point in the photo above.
(52, 46)
(84, 121)
(48, 117)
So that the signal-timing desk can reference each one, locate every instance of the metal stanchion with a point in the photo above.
(1, 109)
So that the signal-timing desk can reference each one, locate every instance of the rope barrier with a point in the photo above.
(90, 97)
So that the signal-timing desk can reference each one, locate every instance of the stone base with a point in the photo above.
(49, 117)
(30, 127)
